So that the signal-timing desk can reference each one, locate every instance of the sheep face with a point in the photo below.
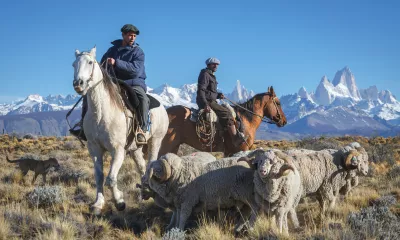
(270, 166)
(265, 164)
(159, 170)
(357, 158)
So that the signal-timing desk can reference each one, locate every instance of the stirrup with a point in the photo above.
(79, 133)
(140, 139)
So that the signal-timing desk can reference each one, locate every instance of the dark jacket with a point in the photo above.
(206, 88)
(129, 63)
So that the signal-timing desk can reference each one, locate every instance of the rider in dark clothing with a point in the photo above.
(207, 95)
(126, 59)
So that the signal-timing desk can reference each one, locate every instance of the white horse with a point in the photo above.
(107, 125)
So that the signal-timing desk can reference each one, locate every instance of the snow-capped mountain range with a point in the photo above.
(336, 106)
(166, 94)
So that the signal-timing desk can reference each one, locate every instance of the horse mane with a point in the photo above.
(112, 88)
(249, 104)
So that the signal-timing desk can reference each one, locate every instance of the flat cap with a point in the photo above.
(212, 60)
(130, 28)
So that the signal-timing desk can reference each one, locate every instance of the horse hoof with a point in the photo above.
(120, 206)
(95, 210)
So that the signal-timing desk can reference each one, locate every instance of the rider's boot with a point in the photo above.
(237, 139)
(143, 110)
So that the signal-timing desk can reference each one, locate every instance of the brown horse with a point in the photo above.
(182, 130)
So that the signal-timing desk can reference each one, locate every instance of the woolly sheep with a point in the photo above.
(277, 186)
(147, 193)
(224, 183)
(325, 172)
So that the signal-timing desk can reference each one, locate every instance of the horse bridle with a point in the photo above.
(91, 75)
(278, 114)
(263, 118)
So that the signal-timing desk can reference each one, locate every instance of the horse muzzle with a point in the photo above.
(281, 123)
(78, 86)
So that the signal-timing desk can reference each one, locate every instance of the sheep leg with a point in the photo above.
(293, 217)
(285, 223)
(173, 221)
(279, 221)
(245, 212)
(186, 210)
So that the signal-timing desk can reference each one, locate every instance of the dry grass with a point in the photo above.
(70, 219)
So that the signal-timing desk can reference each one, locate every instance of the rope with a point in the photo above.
(205, 131)
(69, 113)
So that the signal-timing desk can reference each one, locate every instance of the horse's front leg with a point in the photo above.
(97, 156)
(137, 156)
(118, 156)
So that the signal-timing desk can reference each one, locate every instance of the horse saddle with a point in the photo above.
(131, 99)
(212, 116)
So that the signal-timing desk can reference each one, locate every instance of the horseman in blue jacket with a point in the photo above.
(126, 59)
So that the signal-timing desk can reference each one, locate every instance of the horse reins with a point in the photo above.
(263, 118)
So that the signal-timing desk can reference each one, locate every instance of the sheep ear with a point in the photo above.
(249, 162)
(256, 153)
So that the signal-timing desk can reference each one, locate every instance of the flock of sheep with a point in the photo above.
(269, 181)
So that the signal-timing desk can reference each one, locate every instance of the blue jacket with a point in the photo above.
(129, 63)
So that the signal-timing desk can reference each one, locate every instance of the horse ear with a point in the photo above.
(93, 51)
(271, 91)
(77, 52)
(268, 89)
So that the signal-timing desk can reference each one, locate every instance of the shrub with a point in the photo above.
(30, 136)
(61, 156)
(394, 172)
(385, 201)
(379, 152)
(318, 144)
(68, 174)
(72, 145)
(46, 196)
(174, 234)
(376, 221)
(31, 156)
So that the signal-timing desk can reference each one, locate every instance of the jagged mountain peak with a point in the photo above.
(324, 79)
(387, 97)
(303, 92)
(35, 98)
(347, 79)
(239, 93)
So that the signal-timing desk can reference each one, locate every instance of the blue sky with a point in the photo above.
(287, 44)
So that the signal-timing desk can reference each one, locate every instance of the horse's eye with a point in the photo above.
(90, 62)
